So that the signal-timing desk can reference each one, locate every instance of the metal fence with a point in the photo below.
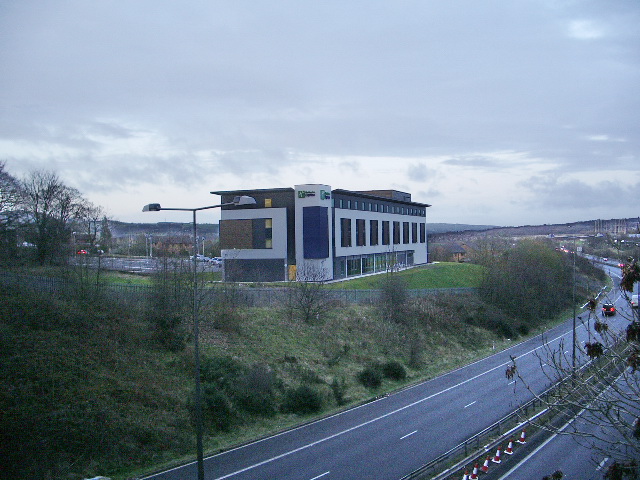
(251, 296)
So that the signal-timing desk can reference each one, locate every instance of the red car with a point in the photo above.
(608, 309)
(81, 252)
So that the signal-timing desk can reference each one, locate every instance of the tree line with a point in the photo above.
(42, 213)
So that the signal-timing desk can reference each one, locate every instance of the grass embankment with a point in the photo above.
(87, 389)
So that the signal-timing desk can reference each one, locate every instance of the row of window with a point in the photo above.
(377, 207)
(356, 265)
(396, 232)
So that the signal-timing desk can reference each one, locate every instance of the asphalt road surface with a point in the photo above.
(395, 435)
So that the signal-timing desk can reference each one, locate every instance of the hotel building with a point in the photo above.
(314, 233)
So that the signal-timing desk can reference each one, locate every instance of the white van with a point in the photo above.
(634, 301)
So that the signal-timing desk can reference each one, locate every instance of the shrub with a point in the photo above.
(394, 370)
(222, 371)
(339, 388)
(256, 402)
(370, 377)
(255, 391)
(226, 310)
(217, 408)
(302, 400)
(393, 298)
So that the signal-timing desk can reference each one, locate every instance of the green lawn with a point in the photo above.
(435, 275)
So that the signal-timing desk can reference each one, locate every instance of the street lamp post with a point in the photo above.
(155, 207)
(573, 348)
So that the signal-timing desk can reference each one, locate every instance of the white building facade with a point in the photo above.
(314, 233)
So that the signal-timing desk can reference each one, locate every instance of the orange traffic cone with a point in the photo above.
(474, 474)
(466, 475)
(522, 438)
(485, 466)
(509, 450)
(496, 459)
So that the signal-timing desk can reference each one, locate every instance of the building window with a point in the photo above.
(396, 233)
(354, 266)
(315, 232)
(267, 203)
(414, 232)
(345, 232)
(385, 232)
(361, 233)
(368, 264)
(423, 237)
(373, 232)
(405, 232)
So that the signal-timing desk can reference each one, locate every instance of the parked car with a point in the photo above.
(634, 301)
(200, 258)
(81, 252)
(608, 309)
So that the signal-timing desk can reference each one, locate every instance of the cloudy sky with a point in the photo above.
(504, 112)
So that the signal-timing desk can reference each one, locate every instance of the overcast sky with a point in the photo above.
(503, 112)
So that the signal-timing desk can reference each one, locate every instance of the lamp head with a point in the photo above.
(152, 207)
(244, 200)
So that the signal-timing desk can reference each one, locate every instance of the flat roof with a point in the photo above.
(369, 195)
(362, 194)
(254, 190)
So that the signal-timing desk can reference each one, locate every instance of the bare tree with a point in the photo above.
(307, 298)
(603, 385)
(10, 196)
(394, 297)
(51, 207)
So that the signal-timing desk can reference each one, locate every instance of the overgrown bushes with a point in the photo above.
(302, 400)
(531, 280)
(372, 375)
(76, 401)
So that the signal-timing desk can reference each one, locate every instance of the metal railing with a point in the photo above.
(250, 296)
(447, 463)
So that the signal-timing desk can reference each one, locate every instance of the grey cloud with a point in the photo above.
(420, 173)
(599, 197)
(474, 161)
(251, 89)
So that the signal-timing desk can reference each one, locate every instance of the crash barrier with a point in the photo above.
(243, 294)
(502, 431)
(482, 441)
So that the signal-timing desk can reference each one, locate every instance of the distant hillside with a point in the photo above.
(587, 227)
(122, 229)
(433, 228)
(631, 225)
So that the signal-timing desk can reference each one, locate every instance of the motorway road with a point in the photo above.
(393, 436)
(574, 456)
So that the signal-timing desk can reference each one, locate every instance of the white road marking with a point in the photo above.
(601, 464)
(408, 434)
(540, 447)
(320, 476)
(355, 427)
(470, 404)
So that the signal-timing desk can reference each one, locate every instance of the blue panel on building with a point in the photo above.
(315, 232)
